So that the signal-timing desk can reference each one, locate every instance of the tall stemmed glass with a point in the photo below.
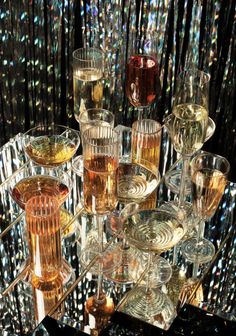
(189, 120)
(209, 177)
(142, 72)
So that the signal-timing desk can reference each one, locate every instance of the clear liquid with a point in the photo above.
(88, 90)
(189, 128)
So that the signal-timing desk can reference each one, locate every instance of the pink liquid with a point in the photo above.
(142, 80)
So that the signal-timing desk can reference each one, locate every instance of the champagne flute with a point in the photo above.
(209, 177)
(189, 119)
(142, 73)
(88, 70)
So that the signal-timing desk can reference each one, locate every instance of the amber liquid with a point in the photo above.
(100, 184)
(146, 149)
(207, 187)
(39, 185)
(51, 151)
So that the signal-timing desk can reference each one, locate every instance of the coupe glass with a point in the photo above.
(51, 145)
(88, 70)
(142, 72)
(189, 120)
(153, 231)
(89, 118)
(209, 177)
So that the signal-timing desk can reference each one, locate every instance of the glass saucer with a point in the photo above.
(136, 182)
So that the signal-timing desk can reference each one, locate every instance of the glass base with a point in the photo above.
(64, 276)
(200, 252)
(78, 165)
(172, 181)
(133, 263)
(107, 262)
(150, 305)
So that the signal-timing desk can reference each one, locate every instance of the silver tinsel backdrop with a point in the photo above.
(37, 38)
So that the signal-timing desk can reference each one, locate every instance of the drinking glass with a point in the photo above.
(189, 119)
(146, 142)
(142, 72)
(209, 177)
(89, 118)
(51, 145)
(88, 70)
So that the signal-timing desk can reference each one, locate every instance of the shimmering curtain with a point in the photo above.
(38, 37)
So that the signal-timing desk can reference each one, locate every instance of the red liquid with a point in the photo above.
(142, 80)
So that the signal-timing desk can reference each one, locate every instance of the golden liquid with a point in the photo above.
(146, 148)
(39, 185)
(50, 151)
(208, 187)
(88, 90)
(100, 184)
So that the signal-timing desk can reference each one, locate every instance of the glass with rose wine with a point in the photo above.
(142, 72)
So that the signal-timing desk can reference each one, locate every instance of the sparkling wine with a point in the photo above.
(50, 150)
(142, 80)
(189, 128)
(207, 189)
(39, 185)
(88, 90)
(100, 184)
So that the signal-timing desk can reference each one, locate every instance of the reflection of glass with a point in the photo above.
(44, 241)
(189, 118)
(153, 231)
(173, 176)
(142, 73)
(88, 69)
(51, 145)
(146, 140)
(209, 177)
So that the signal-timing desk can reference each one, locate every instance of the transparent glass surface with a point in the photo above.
(22, 307)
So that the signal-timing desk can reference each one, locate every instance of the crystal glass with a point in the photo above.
(189, 119)
(142, 72)
(51, 145)
(146, 142)
(88, 70)
(209, 177)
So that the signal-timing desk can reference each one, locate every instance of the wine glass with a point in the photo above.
(89, 118)
(153, 231)
(51, 145)
(142, 72)
(88, 71)
(209, 178)
(189, 119)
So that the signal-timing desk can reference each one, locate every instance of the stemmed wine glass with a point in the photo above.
(142, 72)
(209, 177)
(189, 119)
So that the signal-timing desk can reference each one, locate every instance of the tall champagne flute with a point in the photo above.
(88, 69)
(209, 177)
(142, 73)
(189, 118)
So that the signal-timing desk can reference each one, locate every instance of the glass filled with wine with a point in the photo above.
(51, 145)
(88, 70)
(142, 72)
(209, 177)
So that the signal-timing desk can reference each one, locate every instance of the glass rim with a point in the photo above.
(202, 74)
(149, 120)
(98, 51)
(86, 139)
(55, 207)
(205, 154)
(52, 126)
(80, 118)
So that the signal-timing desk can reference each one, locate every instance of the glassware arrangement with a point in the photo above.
(142, 73)
(209, 178)
(88, 72)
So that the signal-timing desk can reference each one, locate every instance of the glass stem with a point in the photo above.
(200, 234)
(150, 255)
(184, 174)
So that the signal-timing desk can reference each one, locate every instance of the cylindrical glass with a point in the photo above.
(44, 238)
(88, 69)
(146, 142)
(95, 117)
(101, 157)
